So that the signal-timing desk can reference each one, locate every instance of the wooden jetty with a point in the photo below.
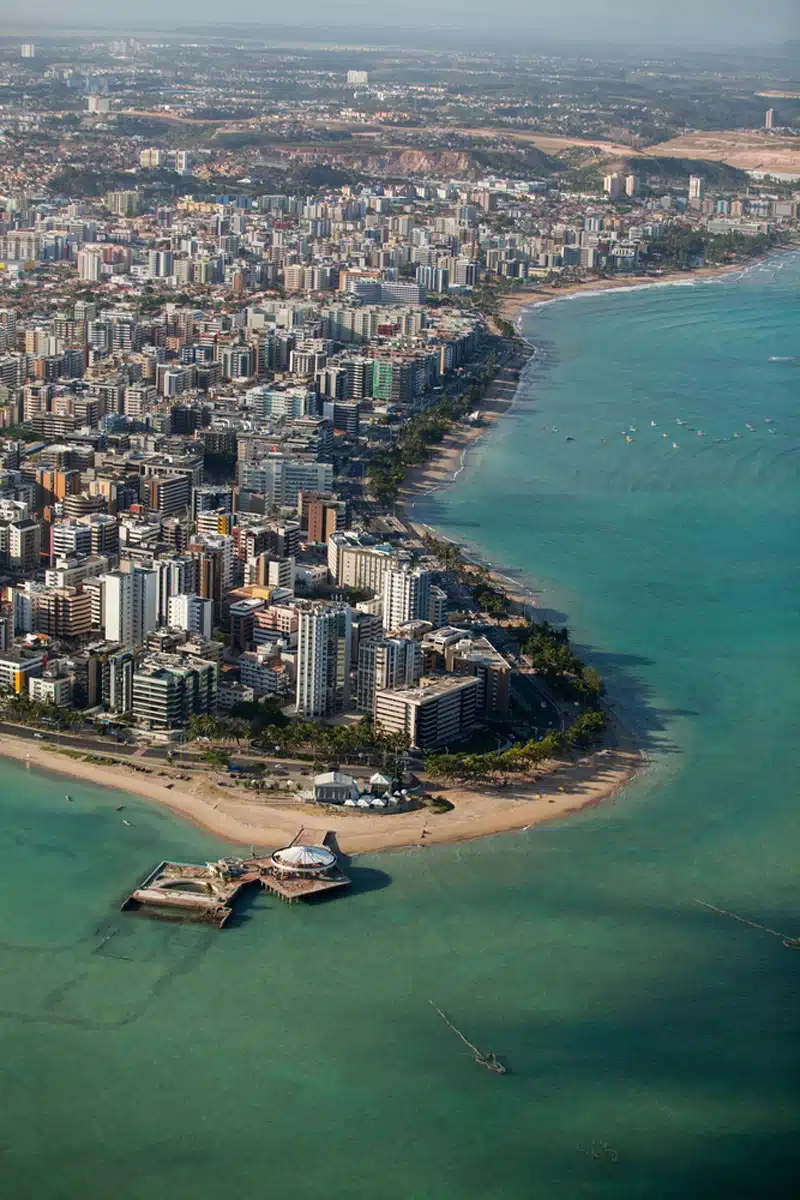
(191, 891)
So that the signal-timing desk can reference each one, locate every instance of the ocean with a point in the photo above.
(297, 1053)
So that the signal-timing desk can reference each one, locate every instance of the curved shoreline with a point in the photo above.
(235, 816)
(630, 758)
(515, 304)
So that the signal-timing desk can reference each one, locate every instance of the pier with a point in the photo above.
(207, 892)
(305, 868)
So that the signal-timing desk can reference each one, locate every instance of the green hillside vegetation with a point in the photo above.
(717, 174)
(523, 163)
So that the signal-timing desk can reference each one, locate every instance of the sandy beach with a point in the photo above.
(512, 303)
(243, 817)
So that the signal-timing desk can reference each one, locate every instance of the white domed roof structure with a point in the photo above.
(304, 858)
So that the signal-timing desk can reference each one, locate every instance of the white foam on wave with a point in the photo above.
(625, 289)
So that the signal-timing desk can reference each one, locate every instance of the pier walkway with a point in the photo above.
(307, 867)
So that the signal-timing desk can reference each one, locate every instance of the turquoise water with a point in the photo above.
(296, 1053)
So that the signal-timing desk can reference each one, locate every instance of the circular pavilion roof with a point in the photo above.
(304, 858)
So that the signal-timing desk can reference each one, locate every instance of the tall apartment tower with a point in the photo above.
(323, 660)
(386, 663)
(130, 605)
(614, 185)
(176, 577)
(192, 614)
(406, 596)
(697, 190)
(769, 118)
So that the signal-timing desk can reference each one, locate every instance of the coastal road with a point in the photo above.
(298, 771)
(534, 698)
(55, 737)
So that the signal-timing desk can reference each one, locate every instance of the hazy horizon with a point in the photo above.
(723, 24)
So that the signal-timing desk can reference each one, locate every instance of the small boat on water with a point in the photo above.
(124, 822)
(700, 433)
(628, 439)
(675, 446)
(653, 424)
(737, 435)
(679, 421)
(69, 798)
(120, 807)
(752, 428)
(569, 439)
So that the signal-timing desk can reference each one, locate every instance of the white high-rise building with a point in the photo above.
(282, 479)
(323, 660)
(406, 596)
(614, 185)
(358, 78)
(386, 663)
(68, 538)
(176, 577)
(697, 188)
(90, 265)
(364, 567)
(27, 50)
(192, 614)
(769, 118)
(130, 605)
(139, 399)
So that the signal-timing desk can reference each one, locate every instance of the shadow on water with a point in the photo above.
(633, 699)
(367, 879)
(364, 879)
(252, 899)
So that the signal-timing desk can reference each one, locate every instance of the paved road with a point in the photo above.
(533, 694)
(298, 769)
(92, 745)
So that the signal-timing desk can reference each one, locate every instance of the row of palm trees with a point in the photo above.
(361, 739)
(584, 732)
(342, 743)
(22, 709)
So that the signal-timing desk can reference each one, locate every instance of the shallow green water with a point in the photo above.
(296, 1053)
